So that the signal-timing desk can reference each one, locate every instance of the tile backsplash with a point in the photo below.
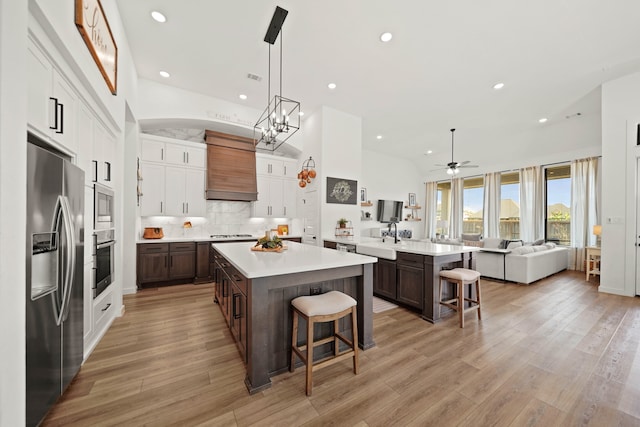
(223, 217)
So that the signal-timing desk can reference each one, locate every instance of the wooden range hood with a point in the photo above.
(231, 167)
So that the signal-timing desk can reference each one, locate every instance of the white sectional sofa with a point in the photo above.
(523, 264)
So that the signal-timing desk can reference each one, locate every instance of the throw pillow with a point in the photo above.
(538, 242)
(471, 237)
(472, 243)
(492, 242)
(514, 244)
(550, 245)
(503, 244)
(522, 250)
(539, 248)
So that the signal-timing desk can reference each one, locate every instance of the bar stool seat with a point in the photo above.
(329, 307)
(461, 277)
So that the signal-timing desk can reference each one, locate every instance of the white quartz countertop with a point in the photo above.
(417, 247)
(297, 258)
(354, 240)
(206, 239)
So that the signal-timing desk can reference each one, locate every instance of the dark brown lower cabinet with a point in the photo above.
(401, 281)
(202, 262)
(165, 262)
(384, 280)
(238, 315)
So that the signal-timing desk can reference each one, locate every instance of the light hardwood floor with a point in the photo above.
(555, 353)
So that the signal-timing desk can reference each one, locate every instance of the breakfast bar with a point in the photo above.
(255, 290)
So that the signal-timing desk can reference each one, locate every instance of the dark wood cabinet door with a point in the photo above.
(238, 319)
(182, 265)
(153, 267)
(410, 285)
(202, 262)
(384, 280)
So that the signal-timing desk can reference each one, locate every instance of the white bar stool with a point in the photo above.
(328, 307)
(461, 277)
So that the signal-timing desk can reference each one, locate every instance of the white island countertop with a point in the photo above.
(414, 247)
(297, 258)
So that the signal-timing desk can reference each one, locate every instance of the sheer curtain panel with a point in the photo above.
(457, 205)
(584, 216)
(431, 209)
(532, 204)
(491, 202)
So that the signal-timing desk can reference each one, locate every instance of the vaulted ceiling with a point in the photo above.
(436, 73)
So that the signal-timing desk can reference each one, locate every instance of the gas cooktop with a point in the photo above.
(229, 236)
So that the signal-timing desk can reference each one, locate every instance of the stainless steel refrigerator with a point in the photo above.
(54, 285)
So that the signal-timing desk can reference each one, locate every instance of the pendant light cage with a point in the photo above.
(281, 119)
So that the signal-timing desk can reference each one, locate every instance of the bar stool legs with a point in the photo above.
(461, 277)
(322, 308)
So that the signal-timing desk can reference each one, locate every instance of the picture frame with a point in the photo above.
(95, 31)
(363, 194)
(342, 191)
(412, 199)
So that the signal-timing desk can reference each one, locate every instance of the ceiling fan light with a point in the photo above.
(450, 171)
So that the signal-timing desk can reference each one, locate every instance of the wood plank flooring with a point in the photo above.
(554, 353)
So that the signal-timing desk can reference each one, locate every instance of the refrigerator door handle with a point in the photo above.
(63, 217)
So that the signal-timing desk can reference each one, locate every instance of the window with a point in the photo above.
(510, 205)
(558, 196)
(473, 199)
(443, 205)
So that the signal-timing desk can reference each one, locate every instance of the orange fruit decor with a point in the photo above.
(302, 184)
(312, 173)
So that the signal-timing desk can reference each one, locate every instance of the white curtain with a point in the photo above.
(491, 218)
(532, 204)
(431, 210)
(584, 215)
(455, 223)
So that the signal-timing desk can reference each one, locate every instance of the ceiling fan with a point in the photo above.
(453, 167)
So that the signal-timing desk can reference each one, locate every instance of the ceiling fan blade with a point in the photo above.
(464, 163)
(439, 169)
(468, 166)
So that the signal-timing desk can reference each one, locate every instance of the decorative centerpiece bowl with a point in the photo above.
(266, 244)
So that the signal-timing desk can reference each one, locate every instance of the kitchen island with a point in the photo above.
(255, 289)
(408, 272)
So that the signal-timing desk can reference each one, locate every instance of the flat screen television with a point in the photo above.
(388, 209)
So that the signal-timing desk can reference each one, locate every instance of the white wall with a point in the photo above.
(620, 114)
(391, 178)
(13, 161)
(340, 157)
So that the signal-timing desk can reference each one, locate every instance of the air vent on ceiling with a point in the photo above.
(254, 77)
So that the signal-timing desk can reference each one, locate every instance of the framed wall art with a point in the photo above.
(343, 191)
(412, 199)
(96, 33)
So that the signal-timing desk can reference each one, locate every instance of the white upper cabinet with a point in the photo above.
(277, 187)
(152, 187)
(104, 147)
(52, 102)
(173, 152)
(276, 166)
(173, 177)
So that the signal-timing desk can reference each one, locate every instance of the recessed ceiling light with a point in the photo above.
(242, 96)
(498, 86)
(158, 16)
(165, 74)
(331, 86)
(385, 37)
(429, 151)
(301, 113)
(542, 120)
(379, 137)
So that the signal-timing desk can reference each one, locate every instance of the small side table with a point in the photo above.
(593, 256)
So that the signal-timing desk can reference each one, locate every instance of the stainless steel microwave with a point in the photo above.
(103, 213)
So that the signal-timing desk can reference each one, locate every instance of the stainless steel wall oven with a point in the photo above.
(104, 245)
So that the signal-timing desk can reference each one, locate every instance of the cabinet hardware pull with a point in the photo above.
(107, 171)
(55, 113)
(236, 315)
(95, 170)
(106, 307)
(165, 261)
(162, 154)
(161, 207)
(61, 128)
(187, 207)
(187, 157)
